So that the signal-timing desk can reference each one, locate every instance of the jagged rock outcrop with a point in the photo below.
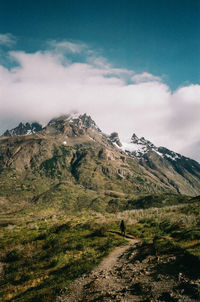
(24, 129)
(71, 125)
(114, 138)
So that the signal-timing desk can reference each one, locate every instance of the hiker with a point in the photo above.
(122, 228)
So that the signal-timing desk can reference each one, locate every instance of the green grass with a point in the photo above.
(42, 257)
(42, 249)
(175, 227)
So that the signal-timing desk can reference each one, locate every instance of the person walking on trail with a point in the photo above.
(122, 228)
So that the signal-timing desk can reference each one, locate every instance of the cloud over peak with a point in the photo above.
(49, 83)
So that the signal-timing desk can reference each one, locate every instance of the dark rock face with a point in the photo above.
(141, 141)
(114, 138)
(23, 129)
(134, 138)
(180, 162)
(87, 122)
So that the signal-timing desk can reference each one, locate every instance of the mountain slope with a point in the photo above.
(170, 167)
(70, 161)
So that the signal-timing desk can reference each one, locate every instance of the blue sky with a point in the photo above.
(133, 65)
(160, 37)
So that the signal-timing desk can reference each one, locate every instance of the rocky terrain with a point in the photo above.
(71, 159)
(24, 129)
(136, 272)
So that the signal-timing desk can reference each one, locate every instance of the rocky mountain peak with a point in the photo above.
(134, 139)
(137, 147)
(141, 141)
(24, 129)
(74, 124)
(85, 121)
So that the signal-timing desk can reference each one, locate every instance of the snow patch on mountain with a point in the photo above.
(130, 147)
(138, 147)
(73, 116)
(171, 157)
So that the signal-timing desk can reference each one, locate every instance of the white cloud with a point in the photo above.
(7, 39)
(42, 87)
(145, 77)
(102, 63)
(67, 46)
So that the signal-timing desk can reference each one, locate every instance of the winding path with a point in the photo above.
(104, 283)
(133, 273)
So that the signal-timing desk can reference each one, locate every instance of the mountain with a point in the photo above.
(73, 164)
(24, 129)
(169, 166)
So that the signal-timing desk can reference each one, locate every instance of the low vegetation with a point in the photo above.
(41, 252)
(40, 257)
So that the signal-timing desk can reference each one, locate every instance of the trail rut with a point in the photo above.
(131, 273)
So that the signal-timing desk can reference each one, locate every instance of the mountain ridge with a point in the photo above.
(71, 155)
(24, 129)
(142, 145)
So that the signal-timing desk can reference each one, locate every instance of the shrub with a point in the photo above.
(12, 256)
(99, 231)
(51, 242)
(59, 228)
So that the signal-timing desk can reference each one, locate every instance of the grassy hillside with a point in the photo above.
(66, 154)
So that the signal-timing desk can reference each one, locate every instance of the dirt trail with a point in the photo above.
(131, 273)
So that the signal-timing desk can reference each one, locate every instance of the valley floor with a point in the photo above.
(135, 273)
